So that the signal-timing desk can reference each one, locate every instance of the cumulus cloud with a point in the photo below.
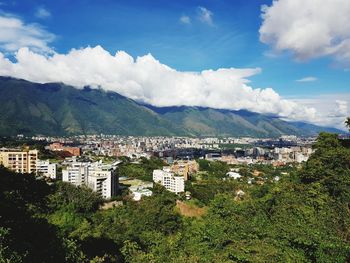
(205, 15)
(147, 80)
(341, 109)
(331, 109)
(42, 13)
(308, 29)
(185, 19)
(307, 79)
(15, 34)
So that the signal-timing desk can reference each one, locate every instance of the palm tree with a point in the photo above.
(347, 123)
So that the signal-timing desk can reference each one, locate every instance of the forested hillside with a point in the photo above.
(303, 217)
(57, 109)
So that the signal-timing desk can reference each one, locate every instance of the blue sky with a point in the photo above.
(186, 36)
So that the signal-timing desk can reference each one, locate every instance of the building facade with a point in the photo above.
(169, 180)
(59, 147)
(101, 178)
(46, 168)
(184, 168)
(138, 193)
(75, 173)
(20, 161)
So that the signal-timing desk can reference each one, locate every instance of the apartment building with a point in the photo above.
(101, 178)
(20, 161)
(184, 168)
(169, 180)
(76, 173)
(46, 168)
(59, 147)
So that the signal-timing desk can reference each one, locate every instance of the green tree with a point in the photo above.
(347, 122)
(330, 166)
(78, 199)
(25, 233)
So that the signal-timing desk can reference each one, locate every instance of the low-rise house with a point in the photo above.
(140, 192)
(233, 175)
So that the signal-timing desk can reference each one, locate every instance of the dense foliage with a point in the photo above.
(304, 217)
(142, 170)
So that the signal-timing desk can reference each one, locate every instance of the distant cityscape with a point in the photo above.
(93, 160)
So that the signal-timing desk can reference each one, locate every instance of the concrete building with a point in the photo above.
(76, 173)
(59, 147)
(184, 168)
(138, 193)
(46, 168)
(20, 161)
(101, 178)
(233, 175)
(299, 157)
(169, 180)
(213, 156)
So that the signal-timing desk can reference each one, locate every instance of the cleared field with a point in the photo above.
(190, 210)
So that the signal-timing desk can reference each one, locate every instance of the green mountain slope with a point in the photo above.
(214, 122)
(58, 109)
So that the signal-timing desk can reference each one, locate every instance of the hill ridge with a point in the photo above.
(59, 109)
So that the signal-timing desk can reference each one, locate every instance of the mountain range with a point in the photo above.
(58, 109)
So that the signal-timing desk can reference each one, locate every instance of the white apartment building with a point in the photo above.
(169, 180)
(46, 168)
(20, 161)
(102, 179)
(99, 177)
(76, 173)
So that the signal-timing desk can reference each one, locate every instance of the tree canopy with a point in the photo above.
(304, 217)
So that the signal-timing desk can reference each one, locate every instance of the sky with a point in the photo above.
(290, 58)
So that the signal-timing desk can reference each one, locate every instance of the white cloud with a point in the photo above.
(42, 13)
(331, 109)
(341, 108)
(307, 79)
(205, 15)
(185, 19)
(15, 34)
(146, 80)
(309, 29)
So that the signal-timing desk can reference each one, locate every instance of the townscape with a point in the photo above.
(187, 131)
(93, 160)
(130, 199)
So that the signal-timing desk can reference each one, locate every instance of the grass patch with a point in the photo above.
(189, 209)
